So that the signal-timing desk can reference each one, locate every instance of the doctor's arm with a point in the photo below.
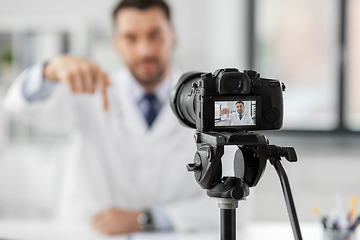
(80, 75)
(198, 213)
(225, 113)
(118, 221)
(39, 96)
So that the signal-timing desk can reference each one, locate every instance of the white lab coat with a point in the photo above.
(235, 121)
(115, 160)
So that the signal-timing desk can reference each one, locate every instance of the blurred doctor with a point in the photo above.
(126, 169)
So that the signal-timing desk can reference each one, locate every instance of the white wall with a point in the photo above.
(210, 34)
(206, 39)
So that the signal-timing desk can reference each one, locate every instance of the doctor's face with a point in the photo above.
(240, 108)
(144, 39)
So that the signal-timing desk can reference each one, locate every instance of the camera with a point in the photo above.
(223, 106)
(228, 100)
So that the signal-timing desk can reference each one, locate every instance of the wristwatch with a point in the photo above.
(145, 221)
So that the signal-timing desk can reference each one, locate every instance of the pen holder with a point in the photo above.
(336, 234)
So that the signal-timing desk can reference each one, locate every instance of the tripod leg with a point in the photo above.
(289, 201)
(228, 224)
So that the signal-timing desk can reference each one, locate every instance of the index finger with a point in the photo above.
(103, 83)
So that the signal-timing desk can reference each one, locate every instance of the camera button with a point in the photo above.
(272, 115)
(274, 84)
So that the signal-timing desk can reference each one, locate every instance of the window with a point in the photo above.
(352, 94)
(297, 43)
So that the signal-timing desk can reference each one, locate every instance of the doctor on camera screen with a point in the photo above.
(236, 118)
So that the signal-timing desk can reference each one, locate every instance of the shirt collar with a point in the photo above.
(240, 114)
(162, 91)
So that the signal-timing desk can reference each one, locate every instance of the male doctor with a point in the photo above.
(126, 169)
(240, 117)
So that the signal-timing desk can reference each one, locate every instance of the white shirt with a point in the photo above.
(136, 92)
(235, 120)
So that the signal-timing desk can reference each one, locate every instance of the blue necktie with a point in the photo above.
(240, 116)
(152, 110)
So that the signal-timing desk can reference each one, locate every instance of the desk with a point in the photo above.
(36, 230)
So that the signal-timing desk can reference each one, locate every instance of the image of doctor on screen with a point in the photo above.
(235, 117)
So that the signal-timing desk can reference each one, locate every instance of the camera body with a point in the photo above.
(228, 101)
(264, 97)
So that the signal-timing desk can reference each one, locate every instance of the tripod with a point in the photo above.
(249, 165)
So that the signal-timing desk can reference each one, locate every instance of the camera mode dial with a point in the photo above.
(253, 75)
(206, 75)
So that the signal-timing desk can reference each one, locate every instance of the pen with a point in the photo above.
(334, 219)
(352, 228)
(335, 225)
(324, 222)
(353, 203)
(355, 224)
(316, 211)
(340, 217)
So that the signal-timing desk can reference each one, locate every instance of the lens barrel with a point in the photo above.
(182, 98)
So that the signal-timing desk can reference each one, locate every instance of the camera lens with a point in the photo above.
(233, 83)
(182, 99)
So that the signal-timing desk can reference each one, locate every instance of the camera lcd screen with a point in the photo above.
(235, 113)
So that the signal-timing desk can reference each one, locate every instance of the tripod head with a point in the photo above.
(249, 165)
(249, 162)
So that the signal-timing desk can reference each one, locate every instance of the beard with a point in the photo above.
(151, 77)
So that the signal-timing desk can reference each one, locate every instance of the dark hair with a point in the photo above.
(142, 4)
(240, 102)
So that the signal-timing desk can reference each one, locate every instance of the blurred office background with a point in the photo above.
(311, 45)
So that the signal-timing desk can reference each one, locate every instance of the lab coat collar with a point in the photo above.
(242, 115)
(125, 89)
(162, 91)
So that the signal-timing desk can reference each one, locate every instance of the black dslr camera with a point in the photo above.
(223, 106)
(228, 100)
